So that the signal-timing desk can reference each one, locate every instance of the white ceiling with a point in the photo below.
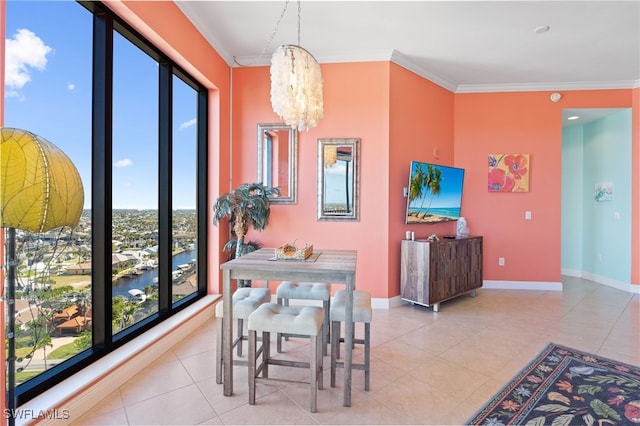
(464, 46)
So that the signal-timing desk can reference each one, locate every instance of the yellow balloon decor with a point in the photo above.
(40, 188)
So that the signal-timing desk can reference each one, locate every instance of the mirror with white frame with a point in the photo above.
(339, 179)
(278, 160)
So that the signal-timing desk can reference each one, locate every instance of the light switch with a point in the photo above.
(527, 215)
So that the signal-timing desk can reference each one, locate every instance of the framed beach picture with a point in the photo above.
(508, 173)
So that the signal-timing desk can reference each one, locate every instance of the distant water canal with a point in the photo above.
(123, 285)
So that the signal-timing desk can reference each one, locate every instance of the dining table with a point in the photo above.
(325, 265)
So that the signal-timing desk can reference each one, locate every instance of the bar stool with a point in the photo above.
(303, 321)
(245, 300)
(288, 290)
(362, 312)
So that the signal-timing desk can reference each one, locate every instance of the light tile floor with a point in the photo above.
(427, 368)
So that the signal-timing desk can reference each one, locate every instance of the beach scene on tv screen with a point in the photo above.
(435, 193)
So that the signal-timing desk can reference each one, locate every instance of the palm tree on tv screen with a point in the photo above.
(431, 180)
(415, 186)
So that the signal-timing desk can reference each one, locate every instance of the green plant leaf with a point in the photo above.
(538, 421)
(602, 409)
(590, 389)
(552, 408)
(588, 419)
(562, 420)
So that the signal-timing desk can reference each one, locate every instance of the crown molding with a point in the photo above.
(542, 87)
(400, 59)
(403, 61)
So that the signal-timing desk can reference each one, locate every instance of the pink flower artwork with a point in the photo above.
(508, 173)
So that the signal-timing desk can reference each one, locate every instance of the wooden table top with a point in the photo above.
(331, 262)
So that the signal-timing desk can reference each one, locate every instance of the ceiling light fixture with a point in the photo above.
(573, 117)
(296, 84)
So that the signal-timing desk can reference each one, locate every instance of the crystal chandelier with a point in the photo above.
(296, 85)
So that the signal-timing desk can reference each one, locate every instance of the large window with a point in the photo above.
(134, 125)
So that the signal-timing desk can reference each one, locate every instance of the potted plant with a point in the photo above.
(247, 205)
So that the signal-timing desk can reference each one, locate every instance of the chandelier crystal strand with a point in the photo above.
(296, 85)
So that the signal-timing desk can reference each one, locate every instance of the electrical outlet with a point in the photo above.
(501, 261)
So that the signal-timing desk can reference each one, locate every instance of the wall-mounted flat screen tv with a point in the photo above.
(435, 193)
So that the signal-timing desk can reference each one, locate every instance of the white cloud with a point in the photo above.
(125, 162)
(14, 94)
(189, 123)
(71, 86)
(24, 51)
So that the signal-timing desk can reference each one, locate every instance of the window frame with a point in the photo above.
(105, 22)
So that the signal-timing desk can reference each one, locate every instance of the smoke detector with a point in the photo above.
(541, 29)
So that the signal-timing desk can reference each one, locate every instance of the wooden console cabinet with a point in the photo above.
(434, 271)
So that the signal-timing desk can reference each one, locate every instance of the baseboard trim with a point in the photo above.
(609, 282)
(522, 285)
(79, 393)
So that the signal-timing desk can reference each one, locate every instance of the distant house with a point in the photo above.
(79, 269)
(71, 321)
(65, 314)
(121, 261)
(151, 251)
(25, 312)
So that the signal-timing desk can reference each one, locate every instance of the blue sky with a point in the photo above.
(48, 92)
(334, 177)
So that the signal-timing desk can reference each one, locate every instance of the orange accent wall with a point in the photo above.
(521, 122)
(356, 98)
(420, 129)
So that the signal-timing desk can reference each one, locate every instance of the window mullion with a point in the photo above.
(101, 199)
(165, 120)
(202, 192)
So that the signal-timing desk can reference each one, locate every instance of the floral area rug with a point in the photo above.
(564, 386)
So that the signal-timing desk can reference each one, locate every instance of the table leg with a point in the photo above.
(227, 330)
(348, 340)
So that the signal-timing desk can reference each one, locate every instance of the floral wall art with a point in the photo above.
(509, 173)
(604, 191)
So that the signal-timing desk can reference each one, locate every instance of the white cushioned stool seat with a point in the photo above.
(245, 300)
(306, 291)
(363, 313)
(305, 321)
(303, 290)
